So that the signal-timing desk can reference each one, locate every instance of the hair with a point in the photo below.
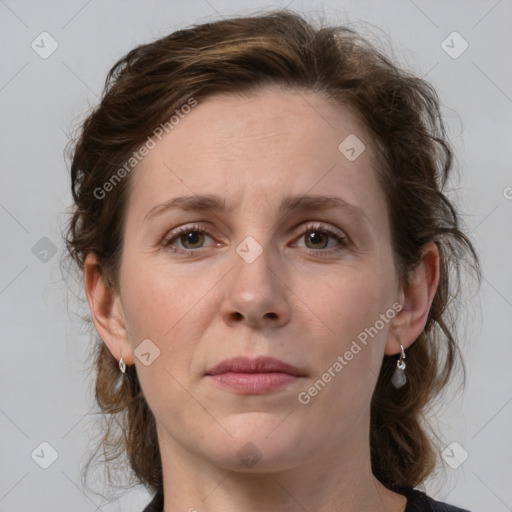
(402, 115)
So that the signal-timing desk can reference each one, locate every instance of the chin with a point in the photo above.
(253, 458)
(257, 445)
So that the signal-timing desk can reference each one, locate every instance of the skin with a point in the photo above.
(303, 300)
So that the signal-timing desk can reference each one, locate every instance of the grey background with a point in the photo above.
(46, 394)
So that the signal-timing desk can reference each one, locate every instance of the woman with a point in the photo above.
(265, 243)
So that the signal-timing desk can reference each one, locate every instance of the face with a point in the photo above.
(249, 233)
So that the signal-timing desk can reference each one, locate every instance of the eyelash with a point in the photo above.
(324, 230)
(175, 235)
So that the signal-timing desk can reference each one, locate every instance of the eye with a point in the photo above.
(186, 239)
(192, 239)
(318, 238)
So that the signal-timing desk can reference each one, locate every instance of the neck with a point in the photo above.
(339, 478)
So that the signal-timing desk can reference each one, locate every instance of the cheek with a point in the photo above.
(348, 346)
(348, 300)
(165, 303)
(170, 308)
(355, 308)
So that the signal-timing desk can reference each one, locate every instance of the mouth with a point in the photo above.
(254, 376)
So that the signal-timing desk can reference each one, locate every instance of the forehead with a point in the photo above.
(258, 146)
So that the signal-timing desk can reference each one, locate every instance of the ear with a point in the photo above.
(416, 298)
(106, 311)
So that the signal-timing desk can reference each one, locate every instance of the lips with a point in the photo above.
(258, 365)
(260, 376)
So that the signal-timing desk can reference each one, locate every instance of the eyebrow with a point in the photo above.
(289, 204)
(317, 203)
(198, 203)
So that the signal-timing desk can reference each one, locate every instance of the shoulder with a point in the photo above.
(157, 503)
(418, 501)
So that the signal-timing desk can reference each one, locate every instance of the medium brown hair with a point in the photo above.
(402, 115)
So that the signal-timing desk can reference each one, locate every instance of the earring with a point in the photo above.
(399, 378)
(122, 365)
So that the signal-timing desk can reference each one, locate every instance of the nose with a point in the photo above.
(255, 294)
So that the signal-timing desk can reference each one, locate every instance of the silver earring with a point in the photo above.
(122, 365)
(399, 378)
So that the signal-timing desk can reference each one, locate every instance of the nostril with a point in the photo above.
(237, 316)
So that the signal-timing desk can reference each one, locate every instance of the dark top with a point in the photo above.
(417, 501)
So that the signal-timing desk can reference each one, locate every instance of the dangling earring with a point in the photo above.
(399, 378)
(122, 365)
